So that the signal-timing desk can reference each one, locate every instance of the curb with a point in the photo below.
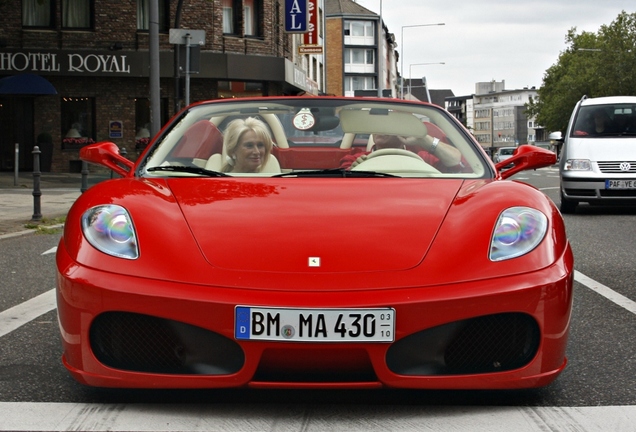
(28, 231)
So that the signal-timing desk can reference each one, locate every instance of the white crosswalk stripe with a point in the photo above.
(197, 417)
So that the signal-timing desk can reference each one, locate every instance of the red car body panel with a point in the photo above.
(209, 307)
(430, 291)
(419, 246)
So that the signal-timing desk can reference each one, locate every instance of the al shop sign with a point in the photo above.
(296, 16)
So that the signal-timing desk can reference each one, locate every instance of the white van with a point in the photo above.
(598, 161)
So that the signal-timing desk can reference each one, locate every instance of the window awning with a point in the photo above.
(26, 84)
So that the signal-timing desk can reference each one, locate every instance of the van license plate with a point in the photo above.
(620, 184)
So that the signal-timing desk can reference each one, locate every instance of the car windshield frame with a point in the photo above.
(337, 127)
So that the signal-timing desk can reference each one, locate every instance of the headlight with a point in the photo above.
(109, 228)
(518, 231)
(578, 165)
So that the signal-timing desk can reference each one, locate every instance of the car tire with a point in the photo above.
(567, 206)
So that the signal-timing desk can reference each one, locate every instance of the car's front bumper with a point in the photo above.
(593, 187)
(96, 309)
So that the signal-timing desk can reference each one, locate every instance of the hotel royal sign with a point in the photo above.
(70, 62)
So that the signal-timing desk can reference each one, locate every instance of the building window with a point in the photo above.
(359, 56)
(142, 123)
(353, 83)
(482, 113)
(142, 120)
(77, 14)
(78, 122)
(231, 13)
(253, 18)
(143, 15)
(38, 13)
(359, 60)
(359, 28)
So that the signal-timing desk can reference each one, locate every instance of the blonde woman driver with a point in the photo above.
(248, 145)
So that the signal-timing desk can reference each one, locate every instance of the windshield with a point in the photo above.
(605, 120)
(303, 136)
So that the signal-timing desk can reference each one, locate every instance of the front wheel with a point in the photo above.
(567, 206)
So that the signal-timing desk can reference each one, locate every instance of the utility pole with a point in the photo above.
(177, 73)
(155, 86)
(380, 54)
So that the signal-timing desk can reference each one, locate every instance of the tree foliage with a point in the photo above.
(593, 64)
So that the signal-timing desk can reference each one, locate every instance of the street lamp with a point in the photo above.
(425, 84)
(380, 54)
(402, 56)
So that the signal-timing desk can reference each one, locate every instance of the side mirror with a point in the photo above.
(106, 153)
(524, 158)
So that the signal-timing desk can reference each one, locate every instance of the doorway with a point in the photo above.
(16, 127)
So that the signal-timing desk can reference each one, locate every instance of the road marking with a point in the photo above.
(50, 251)
(23, 313)
(606, 292)
(23, 416)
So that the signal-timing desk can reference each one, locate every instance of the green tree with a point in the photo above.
(593, 64)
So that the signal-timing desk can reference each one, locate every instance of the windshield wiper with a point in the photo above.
(188, 169)
(334, 172)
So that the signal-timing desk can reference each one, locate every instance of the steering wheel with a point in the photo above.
(394, 160)
(393, 152)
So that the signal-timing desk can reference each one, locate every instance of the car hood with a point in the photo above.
(610, 149)
(309, 225)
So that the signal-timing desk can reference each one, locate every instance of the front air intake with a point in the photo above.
(486, 344)
(143, 343)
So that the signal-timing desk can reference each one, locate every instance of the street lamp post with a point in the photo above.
(402, 55)
(380, 54)
(421, 64)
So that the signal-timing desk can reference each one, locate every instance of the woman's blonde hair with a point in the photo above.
(235, 129)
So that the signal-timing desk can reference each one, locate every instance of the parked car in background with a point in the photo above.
(240, 250)
(598, 159)
(504, 153)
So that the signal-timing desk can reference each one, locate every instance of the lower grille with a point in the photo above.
(491, 343)
(318, 364)
(142, 343)
(581, 192)
(618, 193)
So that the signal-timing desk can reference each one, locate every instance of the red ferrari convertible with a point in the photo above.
(314, 242)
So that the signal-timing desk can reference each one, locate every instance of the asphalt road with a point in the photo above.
(596, 392)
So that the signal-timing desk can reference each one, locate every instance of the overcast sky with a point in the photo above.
(485, 40)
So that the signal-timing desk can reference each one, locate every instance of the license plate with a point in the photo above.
(620, 184)
(314, 325)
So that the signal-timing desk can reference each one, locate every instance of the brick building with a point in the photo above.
(95, 57)
(360, 51)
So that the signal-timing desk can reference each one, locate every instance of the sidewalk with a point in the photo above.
(59, 191)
